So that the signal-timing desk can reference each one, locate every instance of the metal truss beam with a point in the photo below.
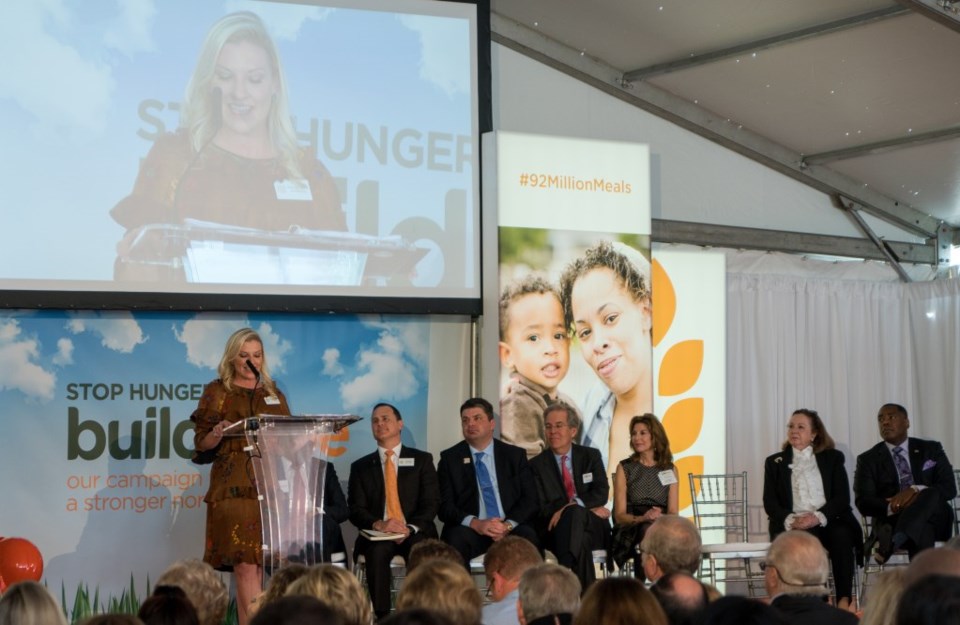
(945, 12)
(765, 43)
(667, 231)
(725, 132)
(879, 147)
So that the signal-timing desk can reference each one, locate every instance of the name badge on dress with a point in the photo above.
(271, 400)
(293, 190)
(587, 478)
(405, 462)
(667, 477)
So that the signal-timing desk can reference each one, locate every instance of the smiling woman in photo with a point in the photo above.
(606, 302)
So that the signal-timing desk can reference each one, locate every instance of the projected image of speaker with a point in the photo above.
(288, 150)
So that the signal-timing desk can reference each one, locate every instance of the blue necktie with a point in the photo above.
(903, 468)
(486, 488)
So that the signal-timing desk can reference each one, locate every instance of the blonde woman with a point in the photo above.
(29, 603)
(443, 587)
(235, 159)
(233, 534)
(339, 589)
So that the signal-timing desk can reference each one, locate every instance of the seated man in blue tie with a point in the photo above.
(905, 484)
(486, 486)
(573, 492)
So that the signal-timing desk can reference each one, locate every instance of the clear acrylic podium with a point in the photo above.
(289, 460)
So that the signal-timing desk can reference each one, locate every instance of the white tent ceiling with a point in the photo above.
(859, 98)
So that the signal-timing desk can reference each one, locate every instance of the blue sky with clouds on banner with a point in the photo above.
(325, 364)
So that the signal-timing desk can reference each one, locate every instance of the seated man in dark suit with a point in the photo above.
(298, 470)
(377, 480)
(486, 486)
(795, 575)
(905, 485)
(573, 491)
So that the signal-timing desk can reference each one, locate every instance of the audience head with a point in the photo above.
(682, 597)
(297, 610)
(204, 588)
(932, 562)
(735, 610)
(29, 603)
(168, 605)
(547, 589)
(444, 587)
(339, 589)
(505, 561)
(432, 549)
(796, 564)
(671, 544)
(619, 601)
(880, 607)
(280, 581)
(416, 616)
(932, 600)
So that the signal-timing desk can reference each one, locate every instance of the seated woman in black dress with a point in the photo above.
(805, 487)
(644, 487)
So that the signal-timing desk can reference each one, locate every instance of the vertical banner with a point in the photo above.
(96, 433)
(574, 249)
(689, 354)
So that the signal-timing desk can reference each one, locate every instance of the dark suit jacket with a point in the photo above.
(460, 496)
(804, 609)
(416, 485)
(876, 476)
(778, 489)
(335, 509)
(584, 462)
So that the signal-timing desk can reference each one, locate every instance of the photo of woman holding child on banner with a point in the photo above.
(585, 291)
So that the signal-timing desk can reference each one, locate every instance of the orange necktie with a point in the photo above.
(394, 511)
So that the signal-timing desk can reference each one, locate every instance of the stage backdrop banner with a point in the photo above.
(689, 355)
(569, 212)
(96, 432)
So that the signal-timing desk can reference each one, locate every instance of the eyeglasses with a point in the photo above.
(764, 565)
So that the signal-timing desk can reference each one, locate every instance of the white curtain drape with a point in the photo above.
(839, 345)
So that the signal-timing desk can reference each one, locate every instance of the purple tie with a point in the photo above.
(568, 479)
(903, 468)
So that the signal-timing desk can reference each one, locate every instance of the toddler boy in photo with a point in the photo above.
(535, 349)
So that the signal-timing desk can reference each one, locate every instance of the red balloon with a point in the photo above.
(19, 560)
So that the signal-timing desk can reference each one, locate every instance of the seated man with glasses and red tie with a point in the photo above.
(487, 490)
(573, 491)
(905, 484)
(392, 494)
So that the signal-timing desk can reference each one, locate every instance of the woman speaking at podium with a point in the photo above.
(235, 159)
(233, 534)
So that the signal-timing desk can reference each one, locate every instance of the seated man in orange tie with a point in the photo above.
(573, 492)
(392, 490)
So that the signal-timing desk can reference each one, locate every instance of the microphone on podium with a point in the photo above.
(256, 372)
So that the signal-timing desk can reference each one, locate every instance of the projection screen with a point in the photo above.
(240, 155)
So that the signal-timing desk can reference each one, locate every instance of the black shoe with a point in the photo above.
(884, 544)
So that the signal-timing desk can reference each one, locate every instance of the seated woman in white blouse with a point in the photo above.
(805, 487)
